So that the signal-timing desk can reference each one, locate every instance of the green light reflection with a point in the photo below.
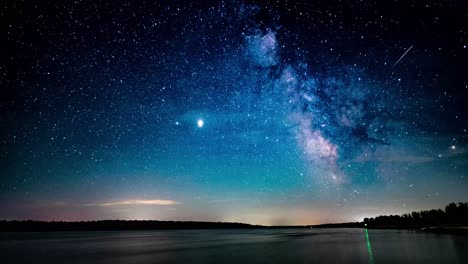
(369, 248)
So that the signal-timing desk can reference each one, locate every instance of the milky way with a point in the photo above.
(333, 117)
(259, 112)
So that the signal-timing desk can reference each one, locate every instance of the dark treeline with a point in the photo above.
(108, 225)
(453, 215)
(103, 225)
(339, 225)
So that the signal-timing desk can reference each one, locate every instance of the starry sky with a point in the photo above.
(268, 112)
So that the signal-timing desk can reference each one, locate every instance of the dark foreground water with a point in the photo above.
(235, 246)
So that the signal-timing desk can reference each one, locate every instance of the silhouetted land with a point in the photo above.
(113, 225)
(42, 226)
(453, 215)
(452, 219)
(340, 225)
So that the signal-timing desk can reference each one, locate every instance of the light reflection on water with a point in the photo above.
(235, 246)
(369, 248)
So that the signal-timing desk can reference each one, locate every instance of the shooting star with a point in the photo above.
(402, 56)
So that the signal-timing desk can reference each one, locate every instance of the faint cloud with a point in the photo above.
(141, 202)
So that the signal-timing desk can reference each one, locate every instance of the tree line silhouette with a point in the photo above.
(113, 225)
(453, 215)
(107, 225)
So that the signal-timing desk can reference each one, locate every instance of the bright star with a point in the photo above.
(200, 123)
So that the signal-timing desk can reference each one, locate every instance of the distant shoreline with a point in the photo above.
(120, 225)
(136, 225)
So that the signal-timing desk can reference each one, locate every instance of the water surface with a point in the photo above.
(235, 246)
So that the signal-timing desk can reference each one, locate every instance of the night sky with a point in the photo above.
(272, 113)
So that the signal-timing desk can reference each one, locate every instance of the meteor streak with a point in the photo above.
(402, 56)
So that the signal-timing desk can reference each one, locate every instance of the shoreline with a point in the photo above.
(147, 225)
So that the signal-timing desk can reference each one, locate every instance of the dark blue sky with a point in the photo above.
(259, 112)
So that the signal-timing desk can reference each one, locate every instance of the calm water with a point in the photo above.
(235, 246)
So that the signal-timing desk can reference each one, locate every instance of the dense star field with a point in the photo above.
(271, 112)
